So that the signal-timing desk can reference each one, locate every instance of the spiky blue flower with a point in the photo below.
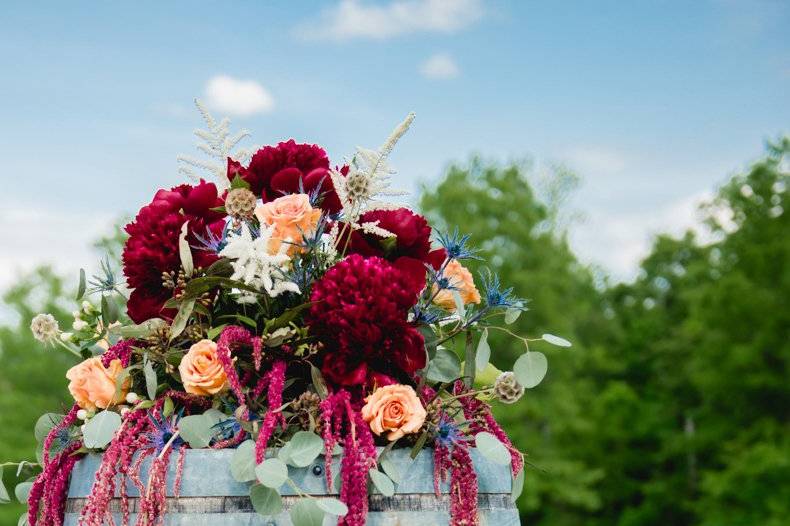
(210, 242)
(447, 433)
(495, 296)
(456, 245)
(163, 432)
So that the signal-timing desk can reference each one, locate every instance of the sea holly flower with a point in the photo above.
(162, 432)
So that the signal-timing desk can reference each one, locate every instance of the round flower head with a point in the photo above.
(44, 327)
(507, 389)
(459, 280)
(95, 386)
(201, 371)
(240, 203)
(396, 409)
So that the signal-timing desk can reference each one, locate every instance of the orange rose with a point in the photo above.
(394, 408)
(292, 218)
(201, 371)
(462, 282)
(93, 386)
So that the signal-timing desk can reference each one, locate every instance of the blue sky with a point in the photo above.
(652, 103)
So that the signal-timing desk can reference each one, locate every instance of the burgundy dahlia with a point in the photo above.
(152, 247)
(286, 169)
(360, 314)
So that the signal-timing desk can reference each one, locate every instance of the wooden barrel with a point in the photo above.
(210, 496)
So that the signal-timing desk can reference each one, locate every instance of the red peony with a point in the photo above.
(152, 247)
(360, 314)
(278, 170)
(412, 241)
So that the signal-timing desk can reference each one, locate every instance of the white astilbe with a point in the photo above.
(218, 144)
(368, 179)
(253, 265)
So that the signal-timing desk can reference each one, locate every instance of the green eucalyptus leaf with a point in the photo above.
(45, 423)
(242, 463)
(530, 368)
(22, 490)
(459, 304)
(382, 482)
(99, 430)
(518, 485)
(284, 453)
(555, 340)
(492, 448)
(511, 315)
(444, 367)
(109, 310)
(305, 447)
(318, 382)
(389, 467)
(272, 472)
(22, 520)
(196, 430)
(307, 513)
(142, 330)
(332, 506)
(168, 407)
(83, 285)
(483, 354)
(4, 497)
(266, 501)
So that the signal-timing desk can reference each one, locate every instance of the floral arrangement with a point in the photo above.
(286, 310)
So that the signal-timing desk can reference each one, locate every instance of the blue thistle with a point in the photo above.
(447, 433)
(494, 296)
(163, 432)
(455, 245)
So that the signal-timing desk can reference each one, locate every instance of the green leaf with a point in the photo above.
(150, 379)
(555, 340)
(22, 490)
(518, 485)
(307, 513)
(286, 317)
(459, 304)
(196, 429)
(22, 520)
(444, 367)
(389, 467)
(419, 445)
(530, 368)
(492, 448)
(266, 501)
(99, 430)
(181, 319)
(382, 482)
(318, 382)
(332, 506)
(4, 497)
(82, 286)
(45, 423)
(242, 463)
(109, 310)
(213, 332)
(483, 354)
(284, 453)
(184, 251)
(272, 472)
(168, 407)
(305, 447)
(142, 330)
(238, 182)
(511, 315)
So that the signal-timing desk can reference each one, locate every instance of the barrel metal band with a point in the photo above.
(377, 503)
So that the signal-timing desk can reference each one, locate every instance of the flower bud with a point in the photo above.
(66, 336)
(87, 307)
(132, 398)
(79, 324)
(124, 410)
(82, 414)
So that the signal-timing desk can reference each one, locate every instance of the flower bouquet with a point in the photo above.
(285, 310)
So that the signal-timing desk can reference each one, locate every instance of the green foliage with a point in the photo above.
(671, 406)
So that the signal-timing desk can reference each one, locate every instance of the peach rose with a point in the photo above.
(292, 217)
(201, 371)
(394, 408)
(93, 386)
(462, 281)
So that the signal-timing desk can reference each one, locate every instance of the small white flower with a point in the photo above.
(132, 398)
(255, 266)
(82, 414)
(124, 410)
(79, 324)
(76, 314)
(66, 336)
(87, 307)
(44, 327)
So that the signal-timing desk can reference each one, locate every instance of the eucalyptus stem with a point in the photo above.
(469, 365)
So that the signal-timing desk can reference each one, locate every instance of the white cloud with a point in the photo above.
(439, 66)
(354, 19)
(619, 241)
(233, 96)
